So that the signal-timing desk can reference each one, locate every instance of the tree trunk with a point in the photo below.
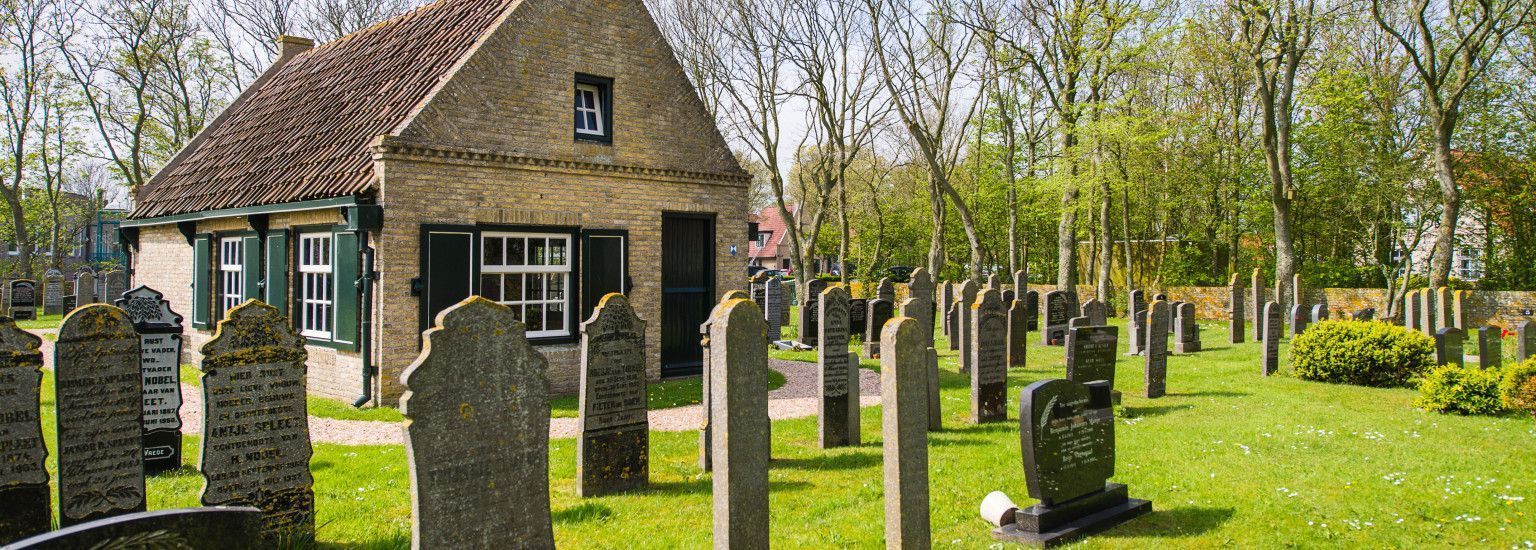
(1066, 229)
(1107, 248)
(936, 244)
(1450, 213)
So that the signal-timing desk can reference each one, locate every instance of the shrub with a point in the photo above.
(1518, 389)
(1363, 353)
(1464, 390)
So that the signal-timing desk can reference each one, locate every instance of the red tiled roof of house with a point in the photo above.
(304, 132)
(769, 220)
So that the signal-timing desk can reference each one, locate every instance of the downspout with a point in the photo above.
(365, 342)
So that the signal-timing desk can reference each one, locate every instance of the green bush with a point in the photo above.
(1464, 390)
(1518, 389)
(1363, 353)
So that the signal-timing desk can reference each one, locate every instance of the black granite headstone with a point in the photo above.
(159, 331)
(1490, 347)
(1448, 347)
(808, 309)
(1367, 314)
(1525, 340)
(879, 311)
(24, 495)
(858, 316)
(1298, 320)
(1032, 309)
(1057, 313)
(1092, 353)
(1270, 325)
(209, 527)
(23, 300)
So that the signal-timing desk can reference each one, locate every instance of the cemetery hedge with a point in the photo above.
(1518, 388)
(1362, 353)
(1462, 390)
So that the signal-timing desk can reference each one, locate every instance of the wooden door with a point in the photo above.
(687, 289)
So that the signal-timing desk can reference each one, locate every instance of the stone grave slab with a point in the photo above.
(99, 385)
(904, 433)
(25, 500)
(613, 453)
(739, 411)
(1057, 313)
(1097, 312)
(210, 528)
(1092, 353)
(85, 288)
(946, 305)
(159, 331)
(1256, 291)
(809, 312)
(989, 358)
(1018, 333)
(1525, 340)
(858, 316)
(774, 312)
(1490, 347)
(965, 299)
(1237, 312)
(881, 311)
(1298, 317)
(23, 302)
(1448, 347)
(837, 380)
(1271, 338)
(1156, 366)
(1032, 309)
(1186, 336)
(53, 293)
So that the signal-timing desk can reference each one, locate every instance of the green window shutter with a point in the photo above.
(277, 271)
(345, 266)
(250, 270)
(202, 287)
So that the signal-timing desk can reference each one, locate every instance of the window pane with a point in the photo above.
(535, 287)
(554, 317)
(514, 288)
(490, 287)
(534, 317)
(493, 251)
(592, 120)
(515, 248)
(538, 252)
(581, 121)
(557, 252)
(517, 313)
(556, 286)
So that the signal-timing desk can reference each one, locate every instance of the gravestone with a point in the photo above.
(1237, 313)
(1156, 366)
(1448, 347)
(919, 305)
(1097, 312)
(1490, 347)
(993, 283)
(53, 292)
(1319, 313)
(1186, 332)
(99, 396)
(1427, 317)
(23, 302)
(774, 308)
(1411, 310)
(837, 408)
(1367, 314)
(1458, 312)
(1256, 290)
(1138, 343)
(946, 305)
(1032, 309)
(24, 495)
(1067, 436)
(858, 316)
(904, 433)
(1137, 302)
(85, 287)
(1298, 320)
(477, 404)
(808, 311)
(1018, 333)
(1271, 340)
(1020, 283)
(880, 311)
(966, 299)
(224, 528)
(952, 320)
(1091, 356)
(159, 331)
(989, 358)
(255, 425)
(705, 440)
(757, 286)
(613, 453)
(739, 411)
(1525, 340)
(886, 290)
(116, 282)
(1056, 317)
(70, 302)
(1445, 308)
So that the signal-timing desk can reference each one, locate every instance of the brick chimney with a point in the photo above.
(289, 46)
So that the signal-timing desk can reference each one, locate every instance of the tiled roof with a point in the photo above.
(304, 132)
(769, 220)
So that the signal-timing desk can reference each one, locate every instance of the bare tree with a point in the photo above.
(923, 53)
(23, 87)
(1451, 43)
(247, 30)
(327, 20)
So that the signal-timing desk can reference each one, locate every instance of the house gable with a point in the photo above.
(514, 93)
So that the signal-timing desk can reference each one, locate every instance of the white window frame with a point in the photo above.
(317, 285)
(596, 110)
(562, 273)
(231, 273)
(763, 237)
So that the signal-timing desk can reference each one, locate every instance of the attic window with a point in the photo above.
(593, 109)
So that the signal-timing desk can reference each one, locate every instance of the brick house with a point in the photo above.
(540, 153)
(770, 246)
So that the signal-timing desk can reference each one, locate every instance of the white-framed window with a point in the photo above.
(530, 273)
(589, 110)
(1469, 264)
(317, 302)
(231, 273)
(762, 238)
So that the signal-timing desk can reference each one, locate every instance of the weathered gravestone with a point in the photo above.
(989, 358)
(952, 320)
(1237, 313)
(23, 302)
(1018, 333)
(1067, 436)
(1319, 313)
(1445, 308)
(116, 282)
(1448, 347)
(1490, 347)
(1186, 332)
(1097, 312)
(774, 308)
(809, 311)
(1009, 296)
(858, 316)
(53, 292)
(1525, 340)
(216, 527)
(904, 433)
(1056, 316)
(1427, 317)
(1458, 312)
(477, 432)
(1032, 309)
(1367, 314)
(1091, 356)
(993, 283)
(255, 426)
(85, 288)
(946, 304)
(70, 302)
(159, 331)
(739, 411)
(757, 287)
(880, 311)
(1271, 338)
(704, 430)
(1298, 320)
(837, 375)
(1138, 326)
(613, 452)
(919, 305)
(965, 298)
(886, 290)
(99, 396)
(1256, 290)
(24, 496)
(1156, 367)
(1411, 310)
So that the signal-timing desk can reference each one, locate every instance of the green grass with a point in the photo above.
(42, 322)
(1228, 458)
(325, 407)
(658, 395)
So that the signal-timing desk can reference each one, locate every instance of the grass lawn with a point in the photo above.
(1228, 458)
(41, 322)
(658, 395)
